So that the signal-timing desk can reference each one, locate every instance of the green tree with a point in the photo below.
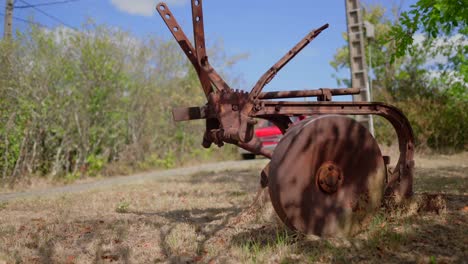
(432, 95)
(444, 27)
(434, 18)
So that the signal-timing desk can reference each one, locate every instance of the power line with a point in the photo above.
(46, 4)
(48, 15)
(24, 20)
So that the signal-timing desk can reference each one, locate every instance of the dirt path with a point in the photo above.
(431, 162)
(136, 179)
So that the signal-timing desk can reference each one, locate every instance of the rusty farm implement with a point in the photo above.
(327, 172)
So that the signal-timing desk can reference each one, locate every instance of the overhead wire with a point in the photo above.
(25, 20)
(48, 15)
(45, 4)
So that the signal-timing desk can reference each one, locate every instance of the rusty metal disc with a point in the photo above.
(326, 175)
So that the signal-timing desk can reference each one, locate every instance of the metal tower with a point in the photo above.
(357, 54)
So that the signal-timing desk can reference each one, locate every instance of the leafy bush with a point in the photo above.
(71, 103)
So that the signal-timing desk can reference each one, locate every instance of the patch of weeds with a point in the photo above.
(312, 256)
(237, 193)
(122, 207)
(3, 205)
(7, 230)
(433, 260)
(252, 250)
(377, 222)
(71, 177)
(182, 240)
(121, 232)
(386, 237)
(338, 255)
(282, 238)
(10, 257)
(288, 260)
(167, 161)
(274, 244)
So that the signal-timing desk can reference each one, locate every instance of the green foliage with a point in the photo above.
(434, 18)
(433, 93)
(71, 177)
(282, 238)
(95, 164)
(122, 207)
(3, 205)
(73, 103)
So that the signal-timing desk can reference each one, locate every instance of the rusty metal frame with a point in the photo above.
(231, 114)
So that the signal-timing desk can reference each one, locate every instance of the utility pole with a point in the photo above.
(8, 27)
(357, 55)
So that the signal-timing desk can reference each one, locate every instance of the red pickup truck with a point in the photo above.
(268, 134)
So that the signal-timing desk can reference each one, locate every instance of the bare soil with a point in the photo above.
(208, 217)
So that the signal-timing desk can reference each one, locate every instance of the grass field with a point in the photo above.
(208, 218)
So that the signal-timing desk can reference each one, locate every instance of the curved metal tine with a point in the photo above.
(271, 73)
(200, 45)
(185, 44)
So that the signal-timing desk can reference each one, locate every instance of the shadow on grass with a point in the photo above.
(216, 218)
(441, 180)
(391, 236)
(246, 179)
(423, 236)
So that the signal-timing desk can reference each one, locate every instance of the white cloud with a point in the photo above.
(143, 7)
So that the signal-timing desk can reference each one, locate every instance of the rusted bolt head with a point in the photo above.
(235, 108)
(329, 177)
(252, 121)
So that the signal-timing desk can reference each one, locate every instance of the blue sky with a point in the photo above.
(264, 29)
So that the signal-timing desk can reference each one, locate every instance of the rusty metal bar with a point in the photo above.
(184, 43)
(200, 46)
(189, 113)
(199, 37)
(315, 108)
(307, 93)
(205, 72)
(271, 73)
(199, 31)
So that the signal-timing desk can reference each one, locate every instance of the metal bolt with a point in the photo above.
(329, 177)
(252, 121)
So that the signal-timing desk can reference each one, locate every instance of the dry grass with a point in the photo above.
(207, 218)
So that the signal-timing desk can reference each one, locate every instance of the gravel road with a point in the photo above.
(136, 179)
